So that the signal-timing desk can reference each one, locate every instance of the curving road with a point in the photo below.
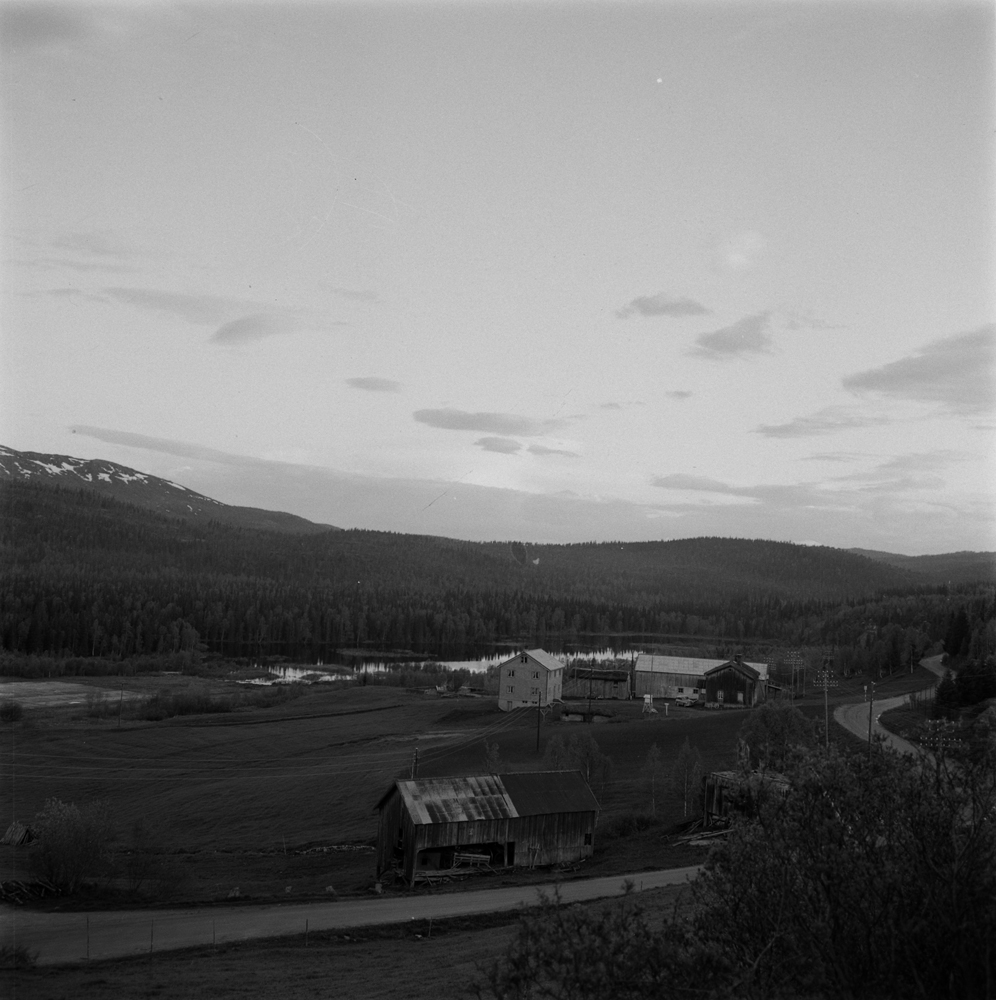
(60, 938)
(854, 717)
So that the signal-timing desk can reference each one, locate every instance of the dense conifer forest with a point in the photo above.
(87, 576)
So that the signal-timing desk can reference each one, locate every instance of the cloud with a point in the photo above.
(661, 305)
(678, 394)
(834, 456)
(827, 421)
(93, 243)
(28, 26)
(488, 423)
(502, 445)
(746, 336)
(202, 309)
(896, 519)
(374, 384)
(539, 449)
(610, 406)
(256, 327)
(75, 265)
(699, 484)
(164, 445)
(805, 320)
(956, 372)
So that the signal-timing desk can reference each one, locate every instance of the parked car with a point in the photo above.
(685, 702)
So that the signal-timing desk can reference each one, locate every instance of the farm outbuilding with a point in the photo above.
(530, 676)
(680, 676)
(733, 684)
(519, 820)
(726, 792)
(592, 682)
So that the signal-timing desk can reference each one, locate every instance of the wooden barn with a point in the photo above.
(530, 676)
(595, 682)
(679, 676)
(733, 684)
(498, 820)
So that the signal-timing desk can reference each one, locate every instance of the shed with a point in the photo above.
(501, 820)
(726, 792)
(529, 677)
(733, 684)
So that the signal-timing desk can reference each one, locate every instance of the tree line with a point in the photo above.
(85, 576)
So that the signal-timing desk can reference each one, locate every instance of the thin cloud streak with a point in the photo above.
(827, 421)
(371, 383)
(487, 423)
(539, 449)
(956, 372)
(661, 305)
(250, 328)
(164, 445)
(501, 445)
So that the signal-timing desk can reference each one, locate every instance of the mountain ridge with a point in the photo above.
(144, 490)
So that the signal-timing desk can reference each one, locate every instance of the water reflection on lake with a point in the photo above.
(328, 673)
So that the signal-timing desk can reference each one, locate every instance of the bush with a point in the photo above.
(165, 705)
(17, 957)
(630, 824)
(72, 842)
(870, 878)
(11, 711)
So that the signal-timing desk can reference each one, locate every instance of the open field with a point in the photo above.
(279, 801)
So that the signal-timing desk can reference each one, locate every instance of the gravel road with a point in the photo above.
(60, 938)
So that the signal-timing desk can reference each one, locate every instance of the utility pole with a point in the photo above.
(591, 677)
(824, 679)
(870, 688)
(415, 764)
(539, 701)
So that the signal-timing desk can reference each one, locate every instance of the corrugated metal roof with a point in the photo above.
(493, 796)
(539, 793)
(695, 666)
(456, 800)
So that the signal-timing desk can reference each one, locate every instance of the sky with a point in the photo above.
(555, 272)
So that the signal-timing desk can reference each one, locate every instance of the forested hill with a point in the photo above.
(949, 567)
(141, 489)
(84, 574)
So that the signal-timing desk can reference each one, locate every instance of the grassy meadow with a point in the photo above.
(282, 796)
(276, 795)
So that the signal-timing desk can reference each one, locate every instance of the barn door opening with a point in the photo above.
(510, 853)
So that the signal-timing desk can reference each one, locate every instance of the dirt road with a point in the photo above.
(60, 938)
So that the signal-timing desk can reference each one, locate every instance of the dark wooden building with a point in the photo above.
(504, 820)
(727, 792)
(597, 683)
(733, 684)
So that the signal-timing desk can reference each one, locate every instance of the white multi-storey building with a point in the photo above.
(529, 677)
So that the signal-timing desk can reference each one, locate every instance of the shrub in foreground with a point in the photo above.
(873, 877)
(11, 711)
(72, 842)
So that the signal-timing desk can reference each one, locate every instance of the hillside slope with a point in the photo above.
(138, 488)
